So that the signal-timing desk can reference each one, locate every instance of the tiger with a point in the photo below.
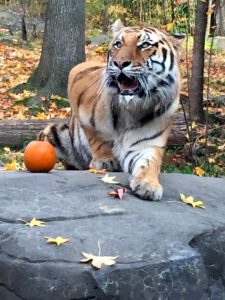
(121, 112)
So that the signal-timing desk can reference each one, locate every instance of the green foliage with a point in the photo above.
(155, 13)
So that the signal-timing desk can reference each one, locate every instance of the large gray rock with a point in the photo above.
(219, 42)
(166, 249)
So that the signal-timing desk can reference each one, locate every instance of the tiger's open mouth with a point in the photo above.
(128, 85)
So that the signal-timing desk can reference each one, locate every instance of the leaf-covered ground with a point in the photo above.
(205, 148)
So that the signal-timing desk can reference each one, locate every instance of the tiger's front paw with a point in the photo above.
(110, 164)
(146, 189)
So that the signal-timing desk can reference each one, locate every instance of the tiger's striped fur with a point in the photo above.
(122, 113)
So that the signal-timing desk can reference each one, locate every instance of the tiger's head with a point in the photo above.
(142, 64)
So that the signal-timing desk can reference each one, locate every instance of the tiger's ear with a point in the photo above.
(117, 26)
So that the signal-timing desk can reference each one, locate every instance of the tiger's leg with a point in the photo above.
(102, 156)
(70, 143)
(144, 167)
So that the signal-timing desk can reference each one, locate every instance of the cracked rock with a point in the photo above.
(166, 249)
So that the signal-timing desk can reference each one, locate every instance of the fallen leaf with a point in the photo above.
(199, 171)
(211, 160)
(194, 124)
(109, 179)
(11, 166)
(35, 222)
(41, 116)
(95, 171)
(169, 26)
(202, 141)
(190, 201)
(98, 261)
(7, 149)
(118, 193)
(58, 240)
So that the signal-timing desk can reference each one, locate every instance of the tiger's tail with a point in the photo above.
(72, 148)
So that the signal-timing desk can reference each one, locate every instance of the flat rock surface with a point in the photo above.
(166, 249)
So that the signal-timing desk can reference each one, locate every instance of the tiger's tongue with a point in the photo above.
(128, 84)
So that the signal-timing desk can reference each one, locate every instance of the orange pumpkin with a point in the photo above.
(39, 156)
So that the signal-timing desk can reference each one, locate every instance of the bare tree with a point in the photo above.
(197, 77)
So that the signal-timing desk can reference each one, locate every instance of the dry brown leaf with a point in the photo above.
(95, 171)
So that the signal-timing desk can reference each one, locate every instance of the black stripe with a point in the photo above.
(114, 113)
(172, 60)
(92, 119)
(64, 127)
(162, 83)
(72, 130)
(148, 138)
(164, 52)
(170, 78)
(130, 165)
(125, 157)
(84, 153)
(57, 140)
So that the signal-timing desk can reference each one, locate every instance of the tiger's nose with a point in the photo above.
(121, 64)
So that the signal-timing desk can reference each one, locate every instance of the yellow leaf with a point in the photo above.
(202, 141)
(169, 26)
(56, 97)
(41, 116)
(194, 124)
(58, 240)
(199, 171)
(98, 261)
(15, 42)
(7, 149)
(35, 222)
(182, 197)
(11, 166)
(109, 179)
(190, 201)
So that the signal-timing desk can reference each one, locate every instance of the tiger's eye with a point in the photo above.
(117, 44)
(145, 45)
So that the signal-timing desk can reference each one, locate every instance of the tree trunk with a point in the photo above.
(23, 29)
(197, 78)
(164, 12)
(220, 30)
(63, 47)
(16, 132)
(105, 21)
(172, 10)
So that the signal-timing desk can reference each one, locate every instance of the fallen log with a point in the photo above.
(17, 132)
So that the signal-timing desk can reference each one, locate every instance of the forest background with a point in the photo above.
(201, 117)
